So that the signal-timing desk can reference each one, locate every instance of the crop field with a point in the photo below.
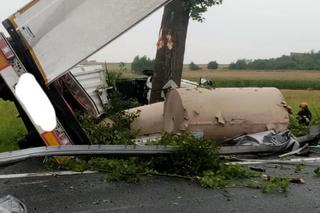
(294, 97)
(281, 79)
(223, 74)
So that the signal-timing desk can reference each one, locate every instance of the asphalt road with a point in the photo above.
(90, 193)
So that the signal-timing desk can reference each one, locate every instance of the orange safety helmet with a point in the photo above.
(303, 105)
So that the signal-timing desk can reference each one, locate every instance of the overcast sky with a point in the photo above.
(237, 29)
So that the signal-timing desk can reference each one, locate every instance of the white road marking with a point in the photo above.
(31, 183)
(44, 174)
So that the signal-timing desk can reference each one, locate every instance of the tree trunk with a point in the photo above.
(171, 48)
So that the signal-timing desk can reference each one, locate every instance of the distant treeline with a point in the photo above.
(296, 61)
(142, 63)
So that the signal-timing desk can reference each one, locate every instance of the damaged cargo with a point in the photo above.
(220, 114)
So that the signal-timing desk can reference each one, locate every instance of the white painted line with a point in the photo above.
(292, 161)
(45, 174)
(31, 183)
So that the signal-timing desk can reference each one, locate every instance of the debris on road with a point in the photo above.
(10, 204)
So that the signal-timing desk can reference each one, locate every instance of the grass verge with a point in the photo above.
(11, 127)
(280, 84)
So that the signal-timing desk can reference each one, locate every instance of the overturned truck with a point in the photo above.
(35, 50)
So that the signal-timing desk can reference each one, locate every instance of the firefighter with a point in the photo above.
(304, 116)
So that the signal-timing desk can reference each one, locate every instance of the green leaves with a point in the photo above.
(140, 64)
(193, 157)
(198, 7)
(212, 65)
(128, 170)
(280, 184)
(317, 172)
(193, 66)
(295, 61)
(213, 181)
(119, 132)
(225, 176)
(119, 170)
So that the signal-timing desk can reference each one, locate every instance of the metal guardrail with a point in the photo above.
(118, 150)
(75, 150)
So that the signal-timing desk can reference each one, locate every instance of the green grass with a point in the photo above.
(11, 127)
(281, 84)
(293, 98)
(288, 79)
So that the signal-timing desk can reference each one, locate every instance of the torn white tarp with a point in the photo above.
(284, 140)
